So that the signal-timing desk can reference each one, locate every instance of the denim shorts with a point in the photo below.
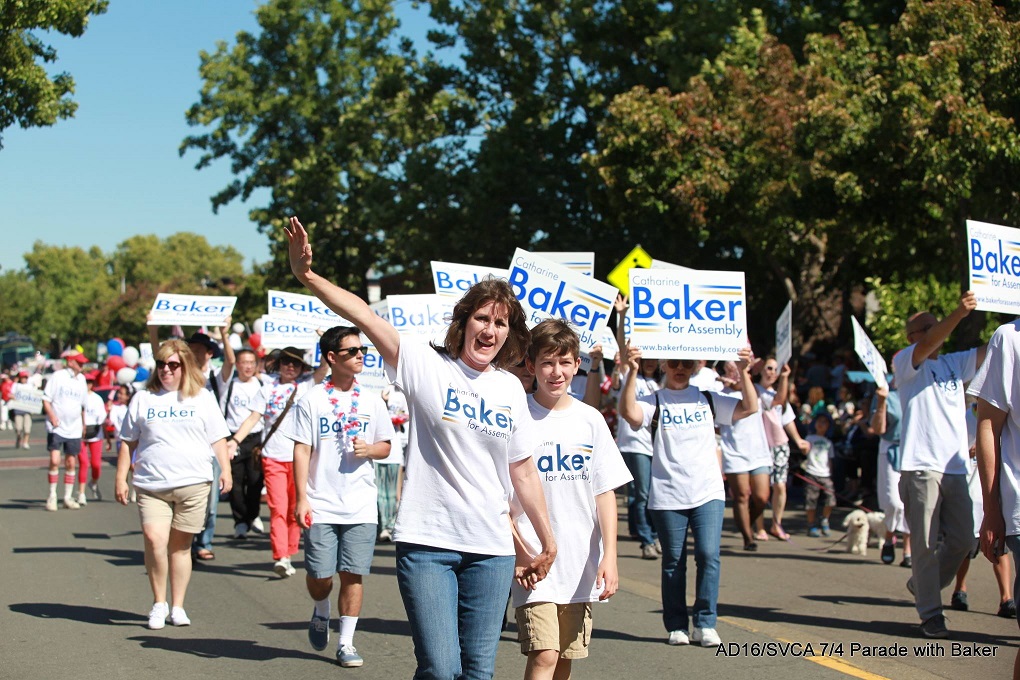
(69, 447)
(332, 548)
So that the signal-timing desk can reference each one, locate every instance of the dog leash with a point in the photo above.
(837, 495)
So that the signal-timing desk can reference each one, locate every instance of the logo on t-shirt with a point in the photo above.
(567, 463)
(948, 385)
(685, 417)
(169, 413)
(462, 406)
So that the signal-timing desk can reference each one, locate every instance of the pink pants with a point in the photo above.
(91, 456)
(284, 532)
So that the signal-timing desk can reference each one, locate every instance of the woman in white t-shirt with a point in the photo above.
(470, 444)
(687, 484)
(174, 427)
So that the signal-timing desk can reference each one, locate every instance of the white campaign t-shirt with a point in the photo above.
(627, 438)
(577, 460)
(744, 446)
(95, 413)
(242, 395)
(466, 429)
(934, 427)
(270, 401)
(341, 488)
(174, 438)
(685, 467)
(396, 403)
(118, 412)
(998, 383)
(66, 393)
(818, 457)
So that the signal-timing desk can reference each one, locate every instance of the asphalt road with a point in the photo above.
(74, 600)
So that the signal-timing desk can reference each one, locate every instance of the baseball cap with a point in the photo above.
(75, 355)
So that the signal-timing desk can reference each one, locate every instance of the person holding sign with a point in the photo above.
(687, 491)
(933, 458)
(22, 419)
(471, 444)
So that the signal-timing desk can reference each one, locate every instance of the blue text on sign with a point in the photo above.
(688, 308)
(555, 303)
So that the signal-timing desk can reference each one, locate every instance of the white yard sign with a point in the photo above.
(424, 317)
(171, 309)
(687, 314)
(306, 310)
(26, 398)
(784, 335)
(993, 257)
(582, 263)
(280, 333)
(452, 280)
(869, 354)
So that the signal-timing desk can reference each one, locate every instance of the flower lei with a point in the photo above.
(349, 424)
(276, 401)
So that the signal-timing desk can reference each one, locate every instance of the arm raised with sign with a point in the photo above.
(629, 409)
(928, 334)
(749, 396)
(345, 303)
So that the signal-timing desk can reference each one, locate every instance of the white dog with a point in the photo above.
(858, 525)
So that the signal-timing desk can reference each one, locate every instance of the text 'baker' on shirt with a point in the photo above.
(175, 446)
(457, 483)
(271, 402)
(577, 460)
(341, 487)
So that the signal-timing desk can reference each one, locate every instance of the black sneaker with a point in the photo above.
(1007, 609)
(907, 562)
(959, 601)
(935, 628)
(888, 553)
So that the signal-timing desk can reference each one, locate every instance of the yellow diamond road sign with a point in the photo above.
(620, 276)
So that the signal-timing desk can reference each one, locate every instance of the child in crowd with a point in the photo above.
(580, 467)
(818, 471)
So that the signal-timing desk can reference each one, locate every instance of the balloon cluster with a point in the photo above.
(124, 360)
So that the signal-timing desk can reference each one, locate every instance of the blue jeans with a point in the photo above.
(638, 520)
(203, 541)
(705, 522)
(455, 604)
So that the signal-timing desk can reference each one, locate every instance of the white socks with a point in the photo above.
(322, 608)
(347, 626)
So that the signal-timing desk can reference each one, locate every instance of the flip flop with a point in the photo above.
(780, 534)
(204, 555)
(761, 536)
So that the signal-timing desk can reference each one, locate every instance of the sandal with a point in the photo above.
(761, 536)
(204, 555)
(779, 533)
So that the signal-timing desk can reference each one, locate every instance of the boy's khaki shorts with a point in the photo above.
(182, 508)
(563, 627)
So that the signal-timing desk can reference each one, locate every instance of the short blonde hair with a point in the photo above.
(192, 380)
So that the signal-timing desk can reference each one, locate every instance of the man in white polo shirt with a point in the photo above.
(64, 405)
(997, 387)
(934, 451)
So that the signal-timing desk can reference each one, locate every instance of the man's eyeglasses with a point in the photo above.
(674, 363)
(352, 351)
(172, 365)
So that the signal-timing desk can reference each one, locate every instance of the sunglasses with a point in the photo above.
(291, 361)
(352, 351)
(172, 365)
(686, 363)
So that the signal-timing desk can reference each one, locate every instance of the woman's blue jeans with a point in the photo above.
(455, 603)
(705, 523)
(640, 467)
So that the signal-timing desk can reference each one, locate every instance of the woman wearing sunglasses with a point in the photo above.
(687, 484)
(470, 446)
(174, 427)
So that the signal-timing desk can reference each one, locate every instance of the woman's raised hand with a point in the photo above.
(299, 249)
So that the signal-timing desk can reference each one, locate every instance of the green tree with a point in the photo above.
(29, 96)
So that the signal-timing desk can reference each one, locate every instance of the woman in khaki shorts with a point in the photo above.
(174, 427)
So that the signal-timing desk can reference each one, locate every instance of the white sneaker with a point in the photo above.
(678, 637)
(71, 504)
(256, 526)
(283, 567)
(708, 637)
(241, 530)
(96, 493)
(385, 535)
(51, 503)
(157, 615)
(82, 501)
(25, 446)
(179, 617)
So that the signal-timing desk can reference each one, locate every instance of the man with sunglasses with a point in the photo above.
(933, 454)
(337, 432)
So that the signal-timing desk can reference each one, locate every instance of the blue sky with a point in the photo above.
(113, 170)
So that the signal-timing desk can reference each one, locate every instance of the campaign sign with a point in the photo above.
(26, 398)
(191, 310)
(869, 354)
(303, 309)
(452, 280)
(549, 290)
(381, 309)
(582, 263)
(373, 377)
(279, 333)
(994, 262)
(688, 314)
(424, 317)
(784, 335)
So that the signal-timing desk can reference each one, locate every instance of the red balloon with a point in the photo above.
(115, 363)
(255, 340)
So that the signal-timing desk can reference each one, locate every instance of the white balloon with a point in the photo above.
(258, 325)
(238, 327)
(126, 376)
(130, 356)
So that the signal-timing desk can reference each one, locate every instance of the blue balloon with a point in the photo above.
(142, 374)
(114, 347)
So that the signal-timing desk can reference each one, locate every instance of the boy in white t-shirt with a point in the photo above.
(818, 473)
(580, 467)
(338, 432)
